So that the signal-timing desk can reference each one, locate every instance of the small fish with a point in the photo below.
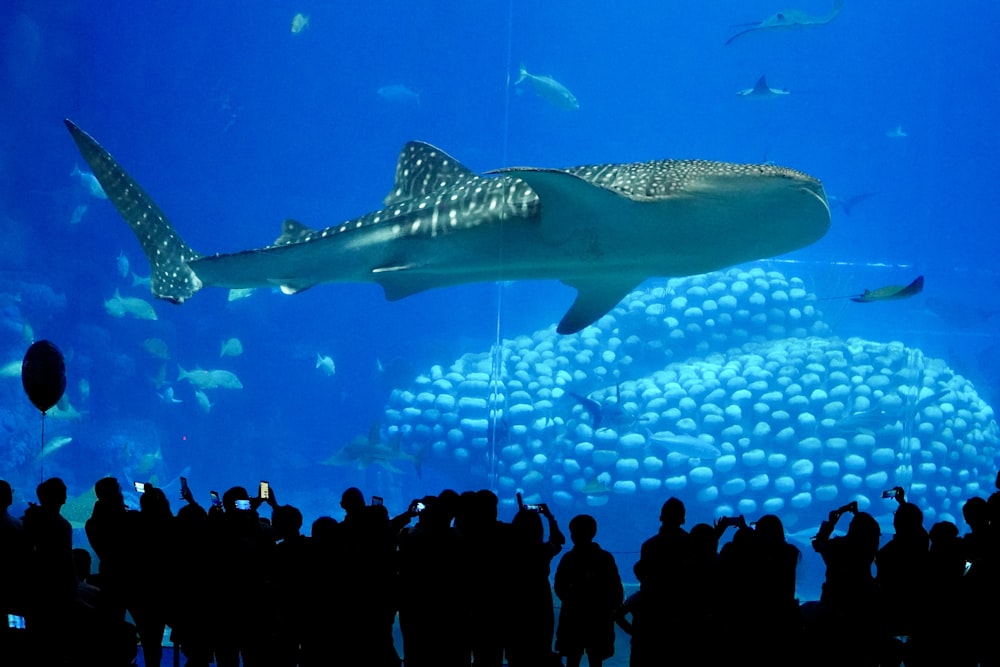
(549, 89)
(54, 445)
(215, 379)
(891, 292)
(299, 23)
(156, 347)
(83, 386)
(846, 204)
(897, 133)
(11, 369)
(595, 487)
(77, 215)
(400, 94)
(198, 377)
(203, 401)
(761, 91)
(64, 410)
(240, 293)
(122, 263)
(866, 421)
(119, 306)
(685, 444)
(140, 281)
(90, 182)
(362, 452)
(225, 380)
(326, 364)
(27, 334)
(231, 348)
(168, 396)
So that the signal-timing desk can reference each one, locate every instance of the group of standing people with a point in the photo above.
(467, 588)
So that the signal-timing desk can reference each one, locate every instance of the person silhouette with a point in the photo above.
(590, 588)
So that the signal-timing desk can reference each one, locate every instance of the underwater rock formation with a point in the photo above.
(724, 390)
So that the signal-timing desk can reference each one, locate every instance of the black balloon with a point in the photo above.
(43, 374)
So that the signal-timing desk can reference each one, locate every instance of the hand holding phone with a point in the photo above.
(216, 501)
(140, 487)
(264, 491)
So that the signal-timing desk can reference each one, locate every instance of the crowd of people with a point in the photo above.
(468, 589)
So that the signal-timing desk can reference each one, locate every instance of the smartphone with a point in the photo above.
(891, 493)
(140, 487)
(184, 487)
(264, 491)
(531, 507)
(15, 622)
(418, 507)
(242, 504)
(376, 500)
(216, 501)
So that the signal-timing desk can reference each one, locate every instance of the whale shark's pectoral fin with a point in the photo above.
(594, 298)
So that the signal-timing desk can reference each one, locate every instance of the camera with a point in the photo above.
(264, 491)
(242, 504)
(216, 501)
(376, 500)
(140, 487)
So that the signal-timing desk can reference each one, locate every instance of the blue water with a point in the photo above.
(233, 123)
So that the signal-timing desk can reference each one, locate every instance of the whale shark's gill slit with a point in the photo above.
(172, 279)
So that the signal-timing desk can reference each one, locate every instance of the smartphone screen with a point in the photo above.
(15, 622)
(265, 490)
(376, 500)
(242, 504)
(215, 498)
(140, 487)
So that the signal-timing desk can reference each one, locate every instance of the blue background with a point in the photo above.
(233, 123)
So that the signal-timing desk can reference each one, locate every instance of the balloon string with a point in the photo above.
(41, 460)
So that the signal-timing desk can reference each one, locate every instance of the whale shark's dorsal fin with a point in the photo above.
(292, 231)
(422, 169)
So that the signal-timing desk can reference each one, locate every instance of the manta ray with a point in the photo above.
(601, 229)
(789, 18)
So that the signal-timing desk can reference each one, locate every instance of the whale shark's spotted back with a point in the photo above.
(660, 179)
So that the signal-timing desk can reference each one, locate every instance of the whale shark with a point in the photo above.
(601, 229)
(789, 18)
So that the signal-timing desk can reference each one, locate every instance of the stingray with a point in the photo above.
(761, 91)
(891, 292)
(886, 293)
(601, 229)
(789, 18)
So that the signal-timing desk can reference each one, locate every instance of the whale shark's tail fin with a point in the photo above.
(169, 256)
